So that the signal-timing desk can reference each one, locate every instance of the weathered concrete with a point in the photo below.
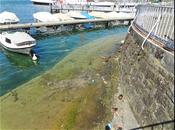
(147, 80)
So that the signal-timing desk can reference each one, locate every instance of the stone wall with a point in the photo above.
(147, 80)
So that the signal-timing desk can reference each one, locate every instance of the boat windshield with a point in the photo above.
(24, 43)
(8, 40)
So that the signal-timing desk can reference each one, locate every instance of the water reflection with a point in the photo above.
(19, 60)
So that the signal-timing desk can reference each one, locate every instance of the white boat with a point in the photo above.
(76, 15)
(19, 42)
(8, 18)
(45, 2)
(44, 17)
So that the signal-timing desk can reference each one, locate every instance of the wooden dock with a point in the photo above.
(59, 23)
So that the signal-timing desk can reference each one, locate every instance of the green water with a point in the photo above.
(16, 69)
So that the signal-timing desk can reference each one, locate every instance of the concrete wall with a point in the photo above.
(147, 80)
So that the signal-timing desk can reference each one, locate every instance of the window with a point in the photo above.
(8, 40)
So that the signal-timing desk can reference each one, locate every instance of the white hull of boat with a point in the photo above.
(26, 51)
(19, 42)
(45, 2)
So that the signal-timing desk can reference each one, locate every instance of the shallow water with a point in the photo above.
(16, 69)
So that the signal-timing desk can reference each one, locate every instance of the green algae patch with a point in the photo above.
(74, 95)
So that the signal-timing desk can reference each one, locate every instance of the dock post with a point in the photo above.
(129, 23)
(58, 10)
(50, 8)
(106, 25)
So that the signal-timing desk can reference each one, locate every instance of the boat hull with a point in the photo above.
(26, 51)
(40, 2)
(4, 23)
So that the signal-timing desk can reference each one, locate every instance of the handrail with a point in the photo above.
(153, 125)
(147, 17)
(151, 31)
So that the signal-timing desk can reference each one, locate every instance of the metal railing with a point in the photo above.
(119, 7)
(148, 15)
(81, 7)
(163, 126)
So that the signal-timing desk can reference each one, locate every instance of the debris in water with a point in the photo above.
(104, 81)
(106, 59)
(122, 41)
(93, 81)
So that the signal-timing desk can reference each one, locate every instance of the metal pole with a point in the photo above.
(150, 32)
(171, 22)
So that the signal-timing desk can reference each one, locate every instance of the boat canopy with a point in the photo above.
(8, 17)
(45, 17)
(19, 37)
(62, 17)
(87, 15)
(76, 14)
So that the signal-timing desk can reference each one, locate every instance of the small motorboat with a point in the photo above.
(19, 42)
(8, 18)
(45, 17)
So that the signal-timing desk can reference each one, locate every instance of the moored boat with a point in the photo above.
(19, 42)
(8, 18)
(44, 17)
